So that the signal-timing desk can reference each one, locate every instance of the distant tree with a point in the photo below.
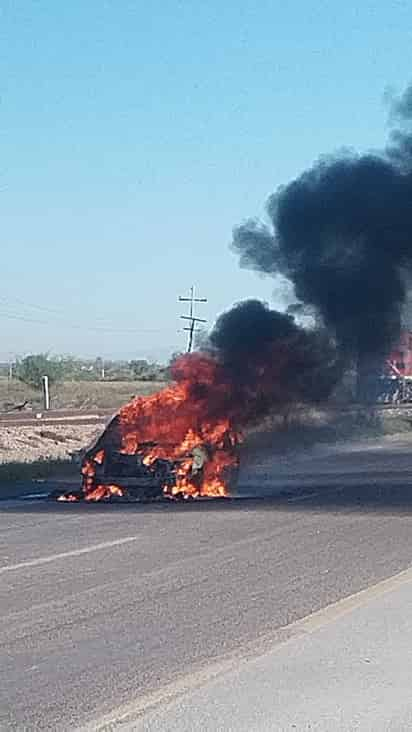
(172, 360)
(31, 369)
(140, 368)
(145, 371)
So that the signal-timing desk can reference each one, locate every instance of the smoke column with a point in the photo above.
(267, 361)
(342, 234)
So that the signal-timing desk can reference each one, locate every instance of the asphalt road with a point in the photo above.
(383, 461)
(102, 605)
(346, 668)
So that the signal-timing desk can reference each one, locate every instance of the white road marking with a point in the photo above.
(74, 553)
(33, 496)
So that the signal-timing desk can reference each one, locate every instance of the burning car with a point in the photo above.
(123, 465)
(178, 443)
(145, 475)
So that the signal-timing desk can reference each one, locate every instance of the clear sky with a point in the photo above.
(135, 135)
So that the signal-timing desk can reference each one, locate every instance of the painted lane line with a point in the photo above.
(33, 496)
(74, 553)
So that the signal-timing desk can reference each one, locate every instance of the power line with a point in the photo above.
(78, 326)
(191, 317)
(24, 303)
(16, 301)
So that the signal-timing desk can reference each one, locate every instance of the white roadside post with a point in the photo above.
(46, 395)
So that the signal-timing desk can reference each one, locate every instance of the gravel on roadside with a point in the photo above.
(27, 444)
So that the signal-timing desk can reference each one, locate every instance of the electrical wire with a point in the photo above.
(78, 326)
(54, 311)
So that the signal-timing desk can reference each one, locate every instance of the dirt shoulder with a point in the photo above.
(24, 444)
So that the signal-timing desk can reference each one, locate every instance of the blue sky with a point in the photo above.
(134, 136)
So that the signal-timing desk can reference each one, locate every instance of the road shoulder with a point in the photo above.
(348, 666)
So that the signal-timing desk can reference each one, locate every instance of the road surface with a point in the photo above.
(102, 605)
(345, 668)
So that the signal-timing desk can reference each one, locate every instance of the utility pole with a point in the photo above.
(191, 317)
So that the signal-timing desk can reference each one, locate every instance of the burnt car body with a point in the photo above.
(133, 476)
(118, 467)
(149, 473)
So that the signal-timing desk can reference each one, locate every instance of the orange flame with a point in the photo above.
(185, 424)
(103, 491)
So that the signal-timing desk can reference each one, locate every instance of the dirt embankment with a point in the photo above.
(59, 442)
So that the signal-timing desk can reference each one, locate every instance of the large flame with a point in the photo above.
(184, 424)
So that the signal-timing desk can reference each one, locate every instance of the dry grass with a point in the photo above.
(77, 394)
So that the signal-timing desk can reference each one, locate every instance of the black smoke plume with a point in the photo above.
(269, 361)
(342, 234)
